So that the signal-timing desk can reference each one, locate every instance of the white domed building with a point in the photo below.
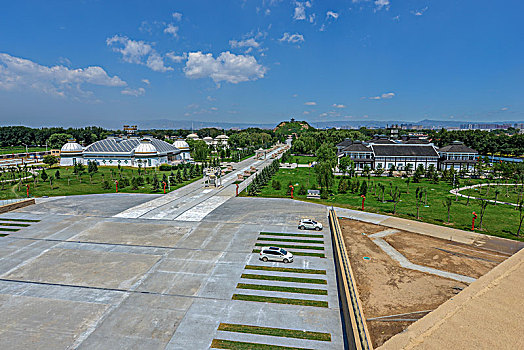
(193, 137)
(222, 141)
(71, 153)
(208, 140)
(125, 151)
(183, 146)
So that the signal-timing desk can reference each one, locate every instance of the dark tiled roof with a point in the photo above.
(403, 150)
(382, 142)
(345, 143)
(416, 141)
(114, 145)
(458, 147)
(357, 147)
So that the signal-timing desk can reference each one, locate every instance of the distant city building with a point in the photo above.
(384, 153)
(484, 126)
(221, 141)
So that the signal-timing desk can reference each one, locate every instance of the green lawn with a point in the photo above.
(83, 184)
(275, 332)
(510, 194)
(276, 300)
(20, 149)
(285, 269)
(499, 220)
(240, 345)
(282, 289)
(301, 159)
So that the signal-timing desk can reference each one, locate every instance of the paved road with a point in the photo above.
(194, 202)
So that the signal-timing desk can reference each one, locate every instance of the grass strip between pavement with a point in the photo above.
(290, 240)
(13, 224)
(291, 234)
(3, 234)
(282, 289)
(275, 300)
(275, 332)
(19, 220)
(319, 255)
(239, 345)
(285, 269)
(5, 229)
(283, 278)
(312, 247)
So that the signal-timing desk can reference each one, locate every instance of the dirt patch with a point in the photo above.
(386, 288)
(445, 255)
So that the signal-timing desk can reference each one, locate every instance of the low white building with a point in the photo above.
(125, 151)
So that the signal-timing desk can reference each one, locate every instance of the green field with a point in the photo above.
(301, 159)
(73, 184)
(510, 194)
(499, 220)
(20, 149)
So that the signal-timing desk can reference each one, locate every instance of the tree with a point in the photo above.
(521, 216)
(57, 174)
(497, 192)
(483, 205)
(199, 150)
(407, 183)
(326, 154)
(382, 189)
(418, 197)
(302, 191)
(345, 164)
(391, 170)
(92, 167)
(364, 188)
(50, 160)
(43, 175)
(396, 198)
(58, 140)
(418, 173)
(342, 186)
(447, 202)
(324, 175)
(408, 169)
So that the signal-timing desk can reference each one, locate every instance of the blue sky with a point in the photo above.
(101, 62)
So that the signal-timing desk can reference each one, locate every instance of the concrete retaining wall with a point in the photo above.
(16, 205)
(354, 322)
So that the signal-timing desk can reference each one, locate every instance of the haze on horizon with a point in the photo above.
(97, 62)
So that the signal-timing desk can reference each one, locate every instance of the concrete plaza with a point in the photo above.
(87, 276)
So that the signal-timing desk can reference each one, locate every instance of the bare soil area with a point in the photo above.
(445, 255)
(386, 288)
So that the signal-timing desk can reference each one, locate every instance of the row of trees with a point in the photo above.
(263, 178)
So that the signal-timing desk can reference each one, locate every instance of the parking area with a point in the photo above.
(92, 280)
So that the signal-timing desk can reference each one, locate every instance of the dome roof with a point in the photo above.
(146, 148)
(181, 145)
(222, 137)
(207, 138)
(192, 136)
(71, 147)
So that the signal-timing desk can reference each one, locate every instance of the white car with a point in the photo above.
(308, 224)
(275, 254)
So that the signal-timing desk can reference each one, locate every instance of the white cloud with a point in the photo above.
(386, 95)
(132, 51)
(300, 10)
(146, 81)
(339, 105)
(20, 73)
(396, 18)
(310, 103)
(382, 3)
(176, 58)
(214, 108)
(292, 38)
(332, 14)
(226, 67)
(419, 12)
(156, 62)
(138, 52)
(251, 42)
(504, 108)
(133, 92)
(172, 30)
(322, 115)
(177, 16)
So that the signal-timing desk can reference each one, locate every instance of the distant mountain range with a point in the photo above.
(188, 124)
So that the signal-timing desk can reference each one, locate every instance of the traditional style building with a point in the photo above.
(384, 153)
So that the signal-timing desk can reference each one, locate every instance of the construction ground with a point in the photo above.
(402, 276)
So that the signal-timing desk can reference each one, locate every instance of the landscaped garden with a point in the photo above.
(63, 181)
(404, 198)
(497, 192)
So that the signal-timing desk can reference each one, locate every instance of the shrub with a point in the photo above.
(302, 191)
(165, 167)
(276, 185)
(106, 185)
